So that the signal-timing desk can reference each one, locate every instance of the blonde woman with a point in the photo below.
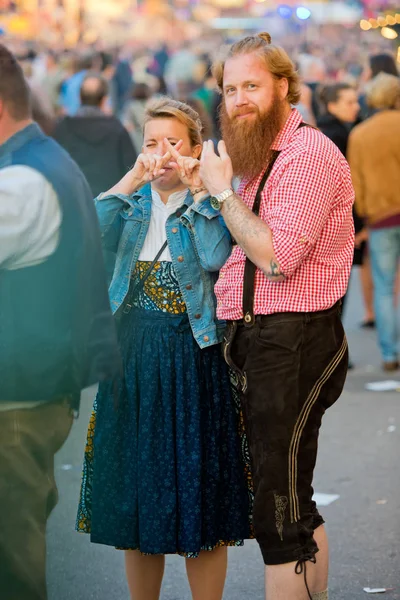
(163, 471)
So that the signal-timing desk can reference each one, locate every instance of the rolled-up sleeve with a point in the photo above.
(300, 208)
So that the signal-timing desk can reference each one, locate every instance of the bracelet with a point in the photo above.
(198, 190)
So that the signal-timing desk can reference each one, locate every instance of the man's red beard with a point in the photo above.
(249, 140)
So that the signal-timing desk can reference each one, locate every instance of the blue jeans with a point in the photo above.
(384, 247)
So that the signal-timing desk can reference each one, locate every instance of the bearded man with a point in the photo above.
(280, 293)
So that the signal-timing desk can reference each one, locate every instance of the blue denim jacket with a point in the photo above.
(199, 243)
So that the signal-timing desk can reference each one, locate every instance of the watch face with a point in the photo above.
(215, 203)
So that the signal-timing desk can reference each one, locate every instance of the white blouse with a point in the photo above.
(156, 234)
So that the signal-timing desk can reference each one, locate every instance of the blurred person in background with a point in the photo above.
(56, 329)
(378, 63)
(312, 71)
(374, 157)
(134, 111)
(305, 105)
(160, 61)
(208, 95)
(122, 82)
(97, 141)
(198, 106)
(342, 109)
(42, 111)
(163, 471)
(53, 79)
(181, 71)
(81, 64)
(208, 88)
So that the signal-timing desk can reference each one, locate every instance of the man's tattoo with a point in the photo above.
(274, 273)
(247, 225)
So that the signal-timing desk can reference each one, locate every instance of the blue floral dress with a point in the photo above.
(166, 467)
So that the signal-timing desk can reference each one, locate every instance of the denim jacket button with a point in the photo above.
(180, 259)
(198, 316)
(189, 287)
(174, 230)
(206, 338)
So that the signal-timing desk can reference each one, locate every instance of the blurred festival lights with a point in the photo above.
(303, 13)
(384, 22)
(365, 25)
(285, 11)
(389, 33)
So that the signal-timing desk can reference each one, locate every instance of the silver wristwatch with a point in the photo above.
(217, 200)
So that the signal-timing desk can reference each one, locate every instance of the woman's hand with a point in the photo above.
(187, 167)
(147, 167)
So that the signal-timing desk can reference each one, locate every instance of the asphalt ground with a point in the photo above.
(359, 460)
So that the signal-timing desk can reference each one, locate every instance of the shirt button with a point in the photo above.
(130, 213)
(189, 287)
(180, 259)
(206, 338)
(174, 230)
(198, 316)
(179, 214)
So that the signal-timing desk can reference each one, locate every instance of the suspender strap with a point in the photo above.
(140, 283)
(250, 268)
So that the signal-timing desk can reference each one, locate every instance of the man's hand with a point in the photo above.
(187, 167)
(215, 171)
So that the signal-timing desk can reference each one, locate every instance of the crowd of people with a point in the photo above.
(220, 344)
(93, 103)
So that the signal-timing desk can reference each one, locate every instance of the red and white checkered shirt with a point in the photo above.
(307, 203)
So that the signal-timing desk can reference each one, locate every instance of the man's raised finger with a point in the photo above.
(222, 150)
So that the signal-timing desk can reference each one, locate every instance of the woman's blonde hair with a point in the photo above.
(276, 60)
(167, 108)
(383, 91)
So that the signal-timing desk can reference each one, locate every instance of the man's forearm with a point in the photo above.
(253, 235)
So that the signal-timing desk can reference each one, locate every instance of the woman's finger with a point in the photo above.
(181, 164)
(146, 165)
(159, 166)
(173, 149)
(166, 158)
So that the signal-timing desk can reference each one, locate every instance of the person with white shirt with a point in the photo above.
(57, 335)
(163, 470)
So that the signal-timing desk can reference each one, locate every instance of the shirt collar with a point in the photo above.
(285, 135)
(175, 200)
